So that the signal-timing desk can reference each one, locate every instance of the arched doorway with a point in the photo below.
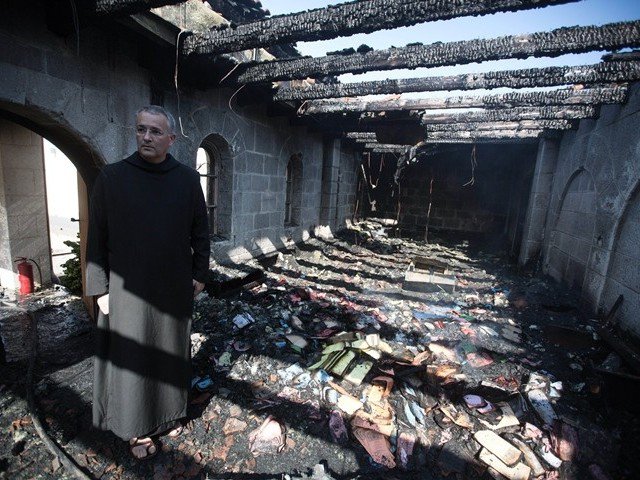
(23, 194)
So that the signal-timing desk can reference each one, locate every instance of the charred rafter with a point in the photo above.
(121, 7)
(484, 127)
(387, 147)
(512, 114)
(359, 136)
(508, 140)
(492, 134)
(605, 72)
(346, 19)
(553, 43)
(591, 96)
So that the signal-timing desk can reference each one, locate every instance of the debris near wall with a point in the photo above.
(554, 43)
(329, 368)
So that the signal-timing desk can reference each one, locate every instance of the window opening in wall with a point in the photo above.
(207, 165)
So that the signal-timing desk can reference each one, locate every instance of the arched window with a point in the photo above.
(214, 163)
(207, 167)
(293, 192)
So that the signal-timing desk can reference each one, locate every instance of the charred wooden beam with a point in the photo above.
(346, 19)
(386, 147)
(493, 134)
(476, 140)
(521, 125)
(121, 7)
(590, 96)
(605, 72)
(553, 43)
(360, 135)
(512, 114)
(622, 56)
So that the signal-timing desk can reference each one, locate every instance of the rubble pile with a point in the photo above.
(329, 366)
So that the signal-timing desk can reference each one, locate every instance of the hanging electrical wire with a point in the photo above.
(474, 164)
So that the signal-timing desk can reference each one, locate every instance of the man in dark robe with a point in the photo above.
(147, 257)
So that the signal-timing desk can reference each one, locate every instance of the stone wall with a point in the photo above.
(24, 230)
(463, 197)
(83, 98)
(591, 229)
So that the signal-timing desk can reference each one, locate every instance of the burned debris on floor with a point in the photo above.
(321, 363)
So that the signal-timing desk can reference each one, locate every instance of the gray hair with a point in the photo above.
(158, 110)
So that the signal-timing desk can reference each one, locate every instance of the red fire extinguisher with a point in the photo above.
(25, 275)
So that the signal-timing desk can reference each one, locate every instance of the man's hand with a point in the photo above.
(197, 288)
(103, 304)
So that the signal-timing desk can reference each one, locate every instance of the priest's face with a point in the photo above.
(153, 136)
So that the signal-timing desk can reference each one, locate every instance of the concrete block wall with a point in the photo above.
(572, 227)
(330, 182)
(539, 198)
(85, 102)
(347, 186)
(482, 205)
(590, 239)
(24, 230)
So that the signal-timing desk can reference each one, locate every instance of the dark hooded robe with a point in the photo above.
(148, 238)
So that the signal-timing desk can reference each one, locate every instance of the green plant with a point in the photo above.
(72, 278)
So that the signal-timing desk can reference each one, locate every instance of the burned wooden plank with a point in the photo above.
(121, 7)
(487, 126)
(430, 264)
(591, 96)
(429, 282)
(346, 19)
(479, 140)
(512, 114)
(390, 147)
(490, 134)
(604, 72)
(622, 56)
(368, 136)
(556, 42)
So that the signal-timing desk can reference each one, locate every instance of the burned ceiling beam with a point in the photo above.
(121, 7)
(512, 114)
(554, 43)
(493, 134)
(488, 126)
(364, 16)
(510, 140)
(588, 96)
(605, 72)
(633, 56)
(387, 147)
(368, 136)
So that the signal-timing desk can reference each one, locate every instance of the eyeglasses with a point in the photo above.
(154, 132)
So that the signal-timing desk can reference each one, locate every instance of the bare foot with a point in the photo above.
(142, 448)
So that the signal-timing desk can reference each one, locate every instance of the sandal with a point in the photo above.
(142, 448)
